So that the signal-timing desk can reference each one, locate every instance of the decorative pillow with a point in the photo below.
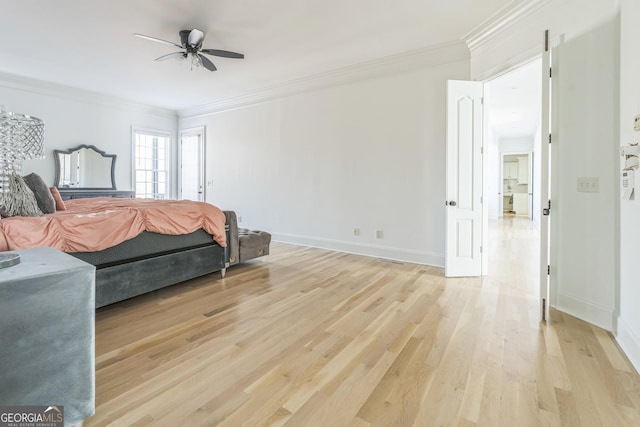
(45, 200)
(20, 200)
(56, 196)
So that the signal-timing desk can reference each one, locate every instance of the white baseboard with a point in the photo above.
(629, 342)
(586, 310)
(396, 254)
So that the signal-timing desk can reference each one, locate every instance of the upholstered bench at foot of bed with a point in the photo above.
(253, 244)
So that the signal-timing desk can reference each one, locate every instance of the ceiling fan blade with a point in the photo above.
(170, 56)
(207, 63)
(154, 39)
(223, 53)
(196, 38)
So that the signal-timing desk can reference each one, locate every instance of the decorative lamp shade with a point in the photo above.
(21, 138)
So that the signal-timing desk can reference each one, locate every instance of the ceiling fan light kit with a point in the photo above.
(191, 43)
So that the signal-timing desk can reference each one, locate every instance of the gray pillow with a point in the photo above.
(46, 202)
(19, 201)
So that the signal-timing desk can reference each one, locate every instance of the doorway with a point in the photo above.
(191, 185)
(517, 185)
(512, 134)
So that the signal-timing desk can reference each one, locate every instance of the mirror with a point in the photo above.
(85, 167)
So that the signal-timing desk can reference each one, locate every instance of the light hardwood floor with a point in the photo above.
(319, 338)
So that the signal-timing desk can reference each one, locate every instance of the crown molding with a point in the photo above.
(55, 90)
(408, 61)
(404, 62)
(497, 24)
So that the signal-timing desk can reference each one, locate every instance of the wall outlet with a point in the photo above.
(356, 231)
(379, 234)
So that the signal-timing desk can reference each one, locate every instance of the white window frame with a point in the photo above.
(167, 166)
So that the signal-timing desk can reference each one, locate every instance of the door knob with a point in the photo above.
(452, 203)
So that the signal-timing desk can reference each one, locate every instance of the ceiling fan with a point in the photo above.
(191, 42)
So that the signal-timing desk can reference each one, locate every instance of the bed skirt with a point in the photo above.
(152, 261)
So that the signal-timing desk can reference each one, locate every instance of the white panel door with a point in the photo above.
(545, 197)
(192, 165)
(463, 254)
(530, 185)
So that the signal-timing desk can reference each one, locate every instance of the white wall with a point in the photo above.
(583, 225)
(584, 270)
(73, 117)
(628, 333)
(520, 39)
(311, 167)
(515, 145)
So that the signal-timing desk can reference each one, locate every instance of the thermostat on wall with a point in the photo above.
(627, 184)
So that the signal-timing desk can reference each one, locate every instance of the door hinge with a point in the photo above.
(549, 138)
(480, 249)
(481, 200)
(548, 270)
(546, 211)
(550, 72)
(546, 40)
(482, 100)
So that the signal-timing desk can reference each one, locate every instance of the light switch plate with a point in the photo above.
(588, 185)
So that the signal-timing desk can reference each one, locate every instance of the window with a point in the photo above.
(151, 160)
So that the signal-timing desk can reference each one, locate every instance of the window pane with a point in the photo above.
(151, 154)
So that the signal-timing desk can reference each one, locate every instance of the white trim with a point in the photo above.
(629, 342)
(40, 87)
(484, 269)
(168, 163)
(500, 23)
(586, 310)
(395, 254)
(408, 61)
(198, 130)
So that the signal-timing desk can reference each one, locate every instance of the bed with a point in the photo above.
(137, 245)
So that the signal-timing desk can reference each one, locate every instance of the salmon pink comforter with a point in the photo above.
(95, 224)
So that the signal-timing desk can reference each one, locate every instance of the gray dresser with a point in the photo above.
(83, 194)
